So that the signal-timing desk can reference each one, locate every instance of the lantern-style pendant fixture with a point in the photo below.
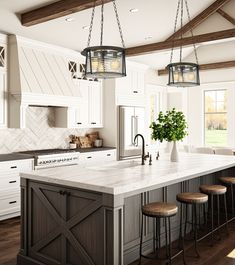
(104, 61)
(183, 74)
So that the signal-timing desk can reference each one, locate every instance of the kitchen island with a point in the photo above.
(84, 216)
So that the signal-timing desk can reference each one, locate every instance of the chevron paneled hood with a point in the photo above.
(40, 74)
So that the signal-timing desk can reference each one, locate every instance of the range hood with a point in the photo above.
(40, 75)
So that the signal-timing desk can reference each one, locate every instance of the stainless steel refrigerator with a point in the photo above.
(131, 122)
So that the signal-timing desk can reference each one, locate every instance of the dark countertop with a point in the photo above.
(94, 149)
(20, 156)
(14, 156)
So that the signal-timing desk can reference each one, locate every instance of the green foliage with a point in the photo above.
(171, 126)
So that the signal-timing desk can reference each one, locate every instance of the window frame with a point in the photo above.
(204, 111)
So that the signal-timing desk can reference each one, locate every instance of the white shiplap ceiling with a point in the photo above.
(155, 18)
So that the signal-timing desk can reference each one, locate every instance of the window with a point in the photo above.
(215, 102)
(154, 108)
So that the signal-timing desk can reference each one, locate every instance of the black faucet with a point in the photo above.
(143, 147)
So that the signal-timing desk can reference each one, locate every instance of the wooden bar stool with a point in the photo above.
(230, 181)
(215, 190)
(158, 210)
(193, 199)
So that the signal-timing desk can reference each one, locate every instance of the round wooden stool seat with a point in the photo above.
(192, 197)
(228, 180)
(159, 209)
(213, 189)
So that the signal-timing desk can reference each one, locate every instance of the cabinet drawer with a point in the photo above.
(16, 166)
(10, 204)
(97, 157)
(9, 182)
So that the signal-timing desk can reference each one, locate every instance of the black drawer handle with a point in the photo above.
(14, 167)
(136, 92)
(89, 157)
(12, 202)
(108, 154)
(79, 123)
(12, 181)
(93, 122)
(63, 192)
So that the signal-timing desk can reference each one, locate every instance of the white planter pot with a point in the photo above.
(174, 153)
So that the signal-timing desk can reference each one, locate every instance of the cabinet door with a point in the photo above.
(3, 116)
(83, 86)
(137, 82)
(95, 105)
(61, 224)
(123, 85)
(82, 112)
(82, 115)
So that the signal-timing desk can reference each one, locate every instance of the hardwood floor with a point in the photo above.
(9, 241)
(222, 253)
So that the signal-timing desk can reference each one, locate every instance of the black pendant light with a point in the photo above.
(183, 74)
(104, 61)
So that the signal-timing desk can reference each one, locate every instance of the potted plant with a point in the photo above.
(172, 127)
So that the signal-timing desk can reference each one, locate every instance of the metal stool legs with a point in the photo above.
(194, 223)
(156, 237)
(232, 198)
(226, 213)
(213, 229)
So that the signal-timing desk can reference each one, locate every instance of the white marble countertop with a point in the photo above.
(123, 177)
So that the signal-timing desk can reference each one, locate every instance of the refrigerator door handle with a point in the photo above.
(135, 129)
(136, 125)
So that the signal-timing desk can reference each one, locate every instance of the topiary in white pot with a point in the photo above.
(171, 127)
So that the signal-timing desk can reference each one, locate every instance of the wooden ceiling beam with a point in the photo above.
(208, 66)
(56, 10)
(166, 45)
(199, 18)
(226, 16)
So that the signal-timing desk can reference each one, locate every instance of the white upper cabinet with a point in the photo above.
(133, 84)
(95, 105)
(89, 113)
(3, 81)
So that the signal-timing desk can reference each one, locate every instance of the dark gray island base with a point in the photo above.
(67, 225)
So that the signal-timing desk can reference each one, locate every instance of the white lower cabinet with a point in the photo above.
(97, 157)
(10, 186)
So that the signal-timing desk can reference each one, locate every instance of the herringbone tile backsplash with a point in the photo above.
(39, 133)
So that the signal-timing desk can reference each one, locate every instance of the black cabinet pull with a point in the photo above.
(108, 154)
(64, 192)
(79, 123)
(93, 122)
(135, 91)
(14, 167)
(61, 192)
(12, 202)
(12, 181)
(89, 157)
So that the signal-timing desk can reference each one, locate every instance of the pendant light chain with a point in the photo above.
(91, 24)
(102, 23)
(119, 24)
(104, 61)
(191, 31)
(181, 26)
(175, 26)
